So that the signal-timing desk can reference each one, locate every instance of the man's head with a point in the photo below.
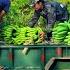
(38, 5)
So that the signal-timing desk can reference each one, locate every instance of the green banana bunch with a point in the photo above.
(59, 32)
(9, 32)
(21, 35)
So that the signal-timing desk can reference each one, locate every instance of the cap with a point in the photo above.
(40, 1)
(37, 1)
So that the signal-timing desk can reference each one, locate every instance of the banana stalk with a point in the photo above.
(27, 42)
(24, 51)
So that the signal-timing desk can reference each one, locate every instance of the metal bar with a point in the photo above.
(48, 65)
(31, 46)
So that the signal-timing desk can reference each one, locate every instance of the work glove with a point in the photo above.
(42, 36)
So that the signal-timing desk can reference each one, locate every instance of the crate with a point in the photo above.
(12, 57)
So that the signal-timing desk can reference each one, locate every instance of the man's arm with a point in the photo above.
(34, 19)
(2, 14)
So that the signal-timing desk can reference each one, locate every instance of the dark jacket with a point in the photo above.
(4, 5)
(51, 12)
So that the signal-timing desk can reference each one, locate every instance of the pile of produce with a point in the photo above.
(61, 33)
(13, 34)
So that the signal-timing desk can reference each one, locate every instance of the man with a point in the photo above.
(51, 11)
(4, 8)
